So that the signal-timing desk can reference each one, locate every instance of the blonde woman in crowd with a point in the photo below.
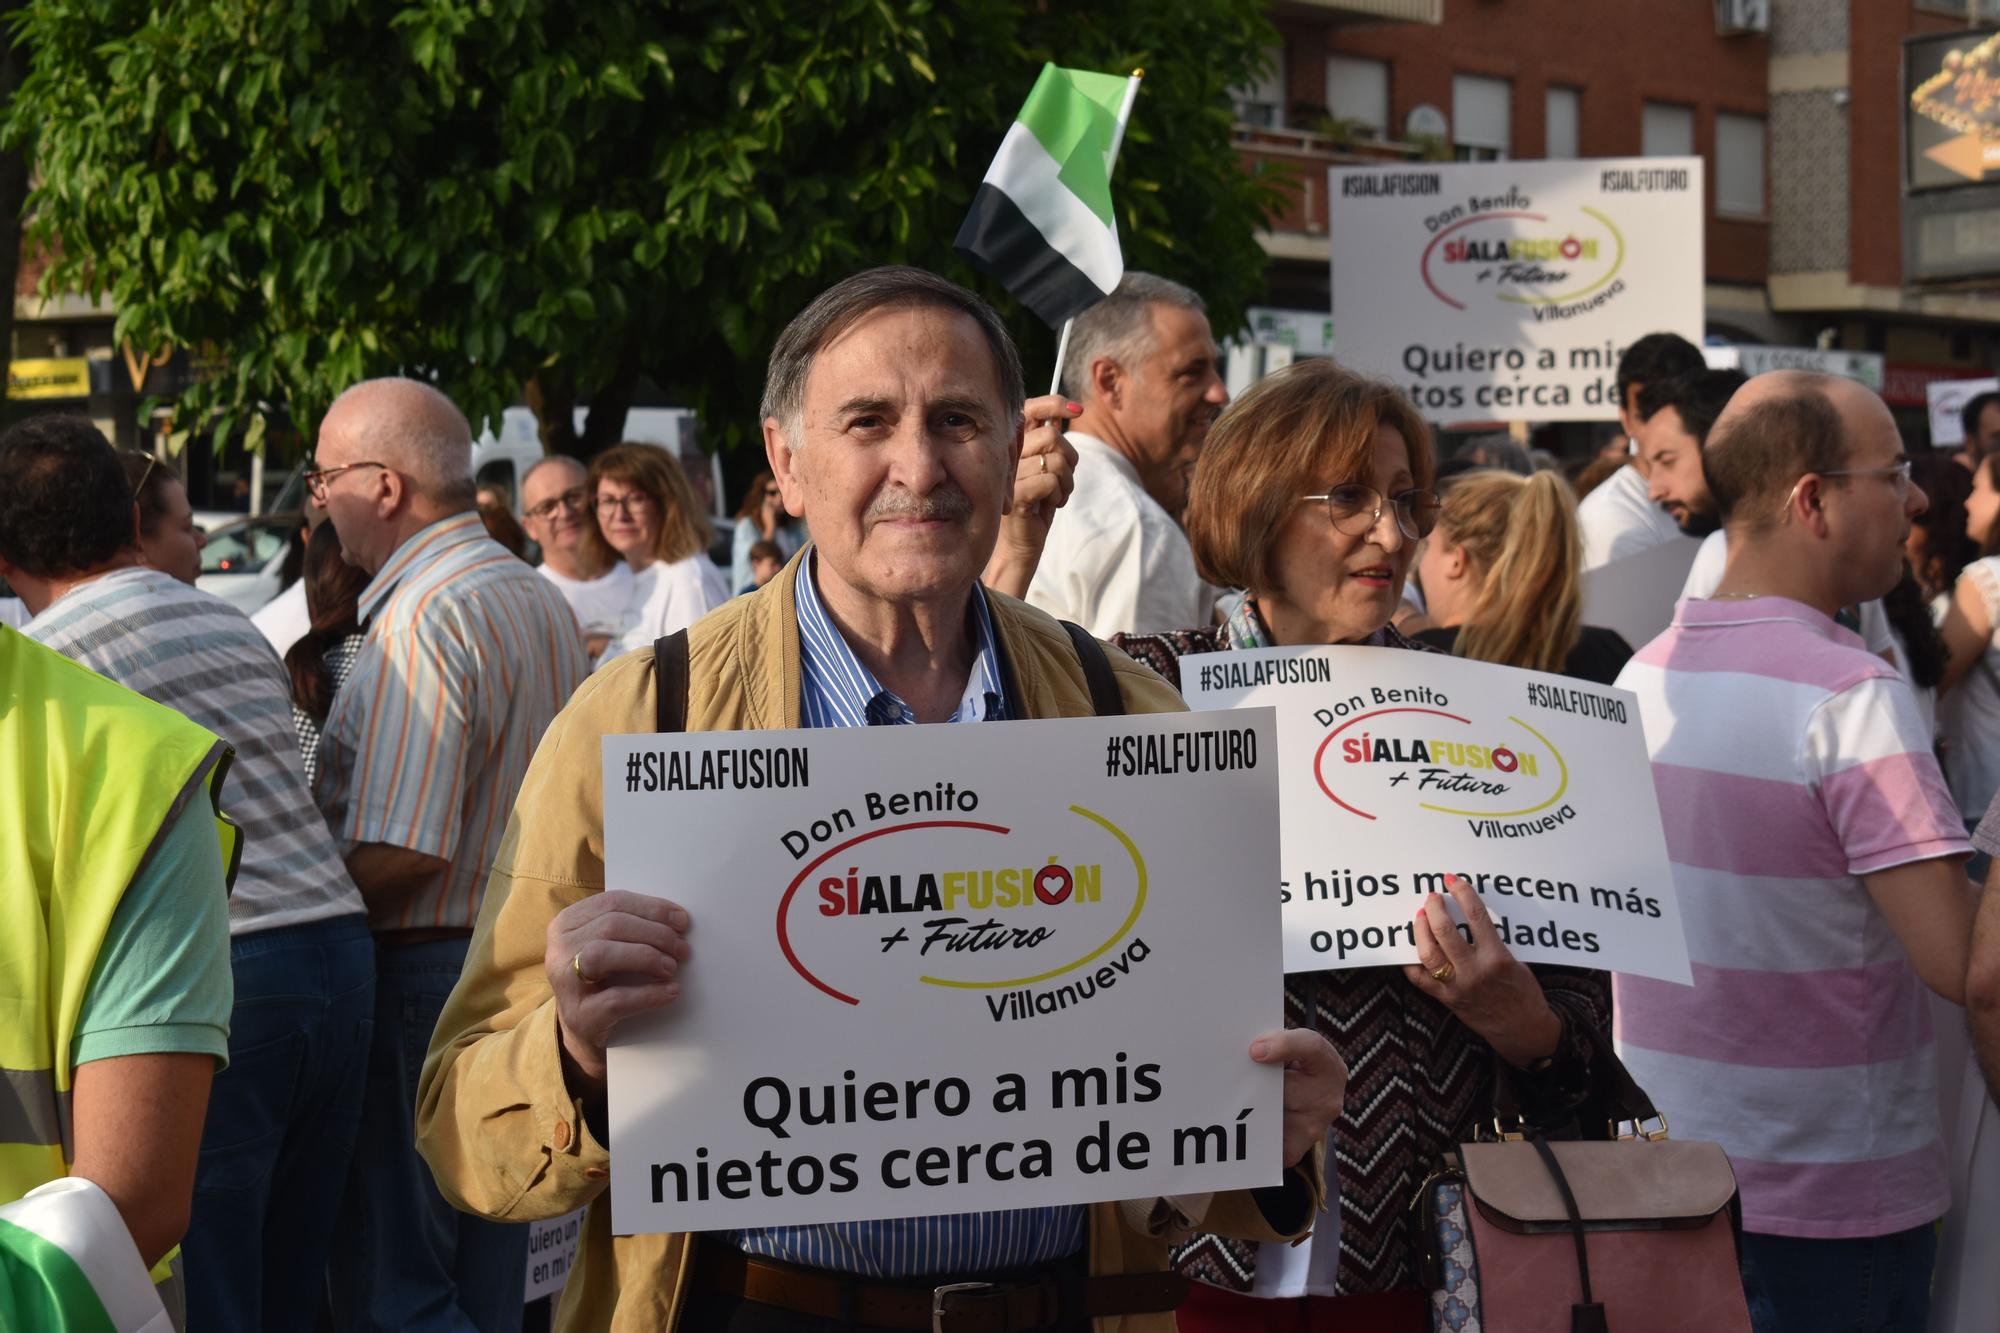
(647, 515)
(1500, 575)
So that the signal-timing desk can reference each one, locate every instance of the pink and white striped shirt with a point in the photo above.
(1790, 761)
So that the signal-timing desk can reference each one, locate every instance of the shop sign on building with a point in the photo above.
(48, 377)
(1507, 291)
(1306, 332)
(1752, 359)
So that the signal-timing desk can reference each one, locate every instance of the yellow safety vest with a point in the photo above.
(91, 774)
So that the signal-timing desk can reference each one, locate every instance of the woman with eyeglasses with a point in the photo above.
(645, 513)
(762, 519)
(1311, 494)
(1501, 574)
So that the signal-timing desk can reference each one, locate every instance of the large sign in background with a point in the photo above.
(1401, 767)
(1507, 291)
(948, 969)
(1951, 122)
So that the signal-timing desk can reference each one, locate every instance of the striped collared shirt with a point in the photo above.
(202, 657)
(469, 655)
(836, 690)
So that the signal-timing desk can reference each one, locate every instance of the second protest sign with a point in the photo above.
(1399, 768)
(948, 969)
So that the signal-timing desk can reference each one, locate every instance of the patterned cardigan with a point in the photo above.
(1419, 1080)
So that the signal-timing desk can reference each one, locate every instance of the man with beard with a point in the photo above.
(555, 501)
(1143, 364)
(1675, 417)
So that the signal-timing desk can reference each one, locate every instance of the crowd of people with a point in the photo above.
(318, 968)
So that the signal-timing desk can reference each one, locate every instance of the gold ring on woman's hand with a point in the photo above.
(1045, 463)
(1443, 974)
(576, 966)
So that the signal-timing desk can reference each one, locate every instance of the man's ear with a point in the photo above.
(778, 453)
(393, 491)
(1108, 382)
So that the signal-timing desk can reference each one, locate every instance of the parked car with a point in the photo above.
(244, 561)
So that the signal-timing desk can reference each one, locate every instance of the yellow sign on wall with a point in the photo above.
(49, 377)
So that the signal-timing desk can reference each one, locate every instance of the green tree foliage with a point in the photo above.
(564, 194)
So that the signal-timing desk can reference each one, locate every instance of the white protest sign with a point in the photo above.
(1946, 400)
(948, 969)
(1401, 767)
(551, 1254)
(1636, 594)
(1507, 291)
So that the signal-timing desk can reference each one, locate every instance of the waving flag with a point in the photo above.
(1042, 221)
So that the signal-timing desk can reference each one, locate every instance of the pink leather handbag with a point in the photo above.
(1634, 1235)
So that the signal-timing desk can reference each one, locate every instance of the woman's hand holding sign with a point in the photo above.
(608, 957)
(1481, 981)
(1315, 1085)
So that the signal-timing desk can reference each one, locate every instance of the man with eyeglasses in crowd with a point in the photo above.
(1819, 862)
(469, 655)
(555, 498)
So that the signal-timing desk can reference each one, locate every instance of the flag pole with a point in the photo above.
(1110, 161)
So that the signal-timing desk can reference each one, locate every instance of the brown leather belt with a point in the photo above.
(1014, 1304)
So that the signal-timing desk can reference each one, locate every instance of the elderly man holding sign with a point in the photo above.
(894, 426)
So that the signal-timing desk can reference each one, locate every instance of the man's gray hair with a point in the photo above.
(412, 427)
(1121, 327)
(845, 304)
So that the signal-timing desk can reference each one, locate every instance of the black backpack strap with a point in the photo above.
(670, 682)
(1105, 699)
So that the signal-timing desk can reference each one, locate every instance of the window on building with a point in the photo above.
(1481, 117)
(1666, 130)
(1357, 91)
(1564, 109)
(1262, 101)
(1739, 164)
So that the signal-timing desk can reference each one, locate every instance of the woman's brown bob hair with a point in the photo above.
(684, 529)
(1294, 433)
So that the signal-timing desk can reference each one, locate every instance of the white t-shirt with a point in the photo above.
(284, 619)
(665, 598)
(1618, 519)
(1116, 562)
(14, 611)
(1706, 576)
(601, 604)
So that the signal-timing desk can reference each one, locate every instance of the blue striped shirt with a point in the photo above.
(836, 690)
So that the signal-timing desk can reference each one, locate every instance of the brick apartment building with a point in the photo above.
(1817, 235)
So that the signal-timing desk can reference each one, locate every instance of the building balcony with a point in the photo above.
(1296, 161)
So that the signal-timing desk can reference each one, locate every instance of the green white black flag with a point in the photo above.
(1042, 221)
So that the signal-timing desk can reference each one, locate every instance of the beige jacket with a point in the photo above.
(494, 1119)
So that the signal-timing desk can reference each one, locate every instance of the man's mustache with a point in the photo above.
(947, 502)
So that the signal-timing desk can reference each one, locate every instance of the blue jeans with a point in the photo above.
(1878, 1284)
(404, 1259)
(281, 1125)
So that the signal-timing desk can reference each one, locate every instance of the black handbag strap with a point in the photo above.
(1105, 699)
(670, 682)
(1586, 1316)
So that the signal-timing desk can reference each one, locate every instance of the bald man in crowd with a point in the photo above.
(469, 654)
(555, 504)
(1819, 862)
